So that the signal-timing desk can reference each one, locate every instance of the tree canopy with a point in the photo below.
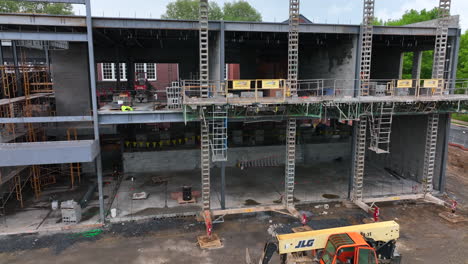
(410, 17)
(414, 16)
(8, 6)
(231, 11)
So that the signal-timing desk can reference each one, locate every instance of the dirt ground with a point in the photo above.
(425, 237)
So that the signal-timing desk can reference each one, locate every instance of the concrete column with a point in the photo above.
(400, 69)
(70, 72)
(214, 59)
(223, 185)
(417, 59)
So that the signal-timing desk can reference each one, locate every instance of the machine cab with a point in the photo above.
(140, 81)
(348, 248)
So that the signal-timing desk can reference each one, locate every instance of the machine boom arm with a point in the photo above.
(317, 239)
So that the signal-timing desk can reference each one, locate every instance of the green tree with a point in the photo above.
(8, 6)
(234, 11)
(189, 10)
(240, 11)
(410, 17)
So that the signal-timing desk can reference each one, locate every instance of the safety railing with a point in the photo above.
(276, 90)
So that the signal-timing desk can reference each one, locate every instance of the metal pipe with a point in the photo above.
(88, 195)
(92, 75)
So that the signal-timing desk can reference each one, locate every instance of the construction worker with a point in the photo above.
(126, 108)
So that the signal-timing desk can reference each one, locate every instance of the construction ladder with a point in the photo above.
(381, 128)
(366, 46)
(359, 159)
(204, 70)
(218, 135)
(205, 161)
(430, 151)
(290, 162)
(293, 46)
(440, 50)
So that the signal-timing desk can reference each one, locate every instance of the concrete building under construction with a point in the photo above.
(318, 112)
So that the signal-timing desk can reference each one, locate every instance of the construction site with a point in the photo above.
(120, 120)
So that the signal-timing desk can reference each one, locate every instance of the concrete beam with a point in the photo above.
(74, 37)
(50, 152)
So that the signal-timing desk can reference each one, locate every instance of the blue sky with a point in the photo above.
(319, 11)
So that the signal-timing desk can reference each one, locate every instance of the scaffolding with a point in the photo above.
(440, 49)
(366, 46)
(359, 159)
(290, 167)
(381, 128)
(204, 49)
(293, 46)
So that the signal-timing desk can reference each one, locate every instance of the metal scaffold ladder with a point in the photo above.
(430, 151)
(218, 136)
(204, 70)
(381, 128)
(440, 50)
(205, 161)
(366, 46)
(293, 46)
(290, 166)
(359, 159)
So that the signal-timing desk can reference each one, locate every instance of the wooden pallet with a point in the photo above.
(207, 242)
(452, 218)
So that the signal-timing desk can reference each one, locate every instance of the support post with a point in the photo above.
(443, 166)
(92, 75)
(417, 59)
(2, 61)
(19, 85)
(223, 185)
(290, 165)
(400, 68)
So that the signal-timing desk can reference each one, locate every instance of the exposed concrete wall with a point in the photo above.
(70, 73)
(336, 60)
(179, 160)
(407, 148)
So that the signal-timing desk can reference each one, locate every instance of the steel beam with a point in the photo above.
(139, 118)
(50, 152)
(74, 37)
(45, 119)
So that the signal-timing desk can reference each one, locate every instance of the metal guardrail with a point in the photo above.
(325, 88)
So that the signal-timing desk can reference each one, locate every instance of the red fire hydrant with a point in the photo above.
(376, 214)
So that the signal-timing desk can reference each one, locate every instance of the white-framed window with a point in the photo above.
(123, 71)
(108, 73)
(149, 69)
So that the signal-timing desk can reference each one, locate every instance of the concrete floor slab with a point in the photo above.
(322, 182)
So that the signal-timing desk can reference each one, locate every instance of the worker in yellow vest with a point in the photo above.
(126, 108)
